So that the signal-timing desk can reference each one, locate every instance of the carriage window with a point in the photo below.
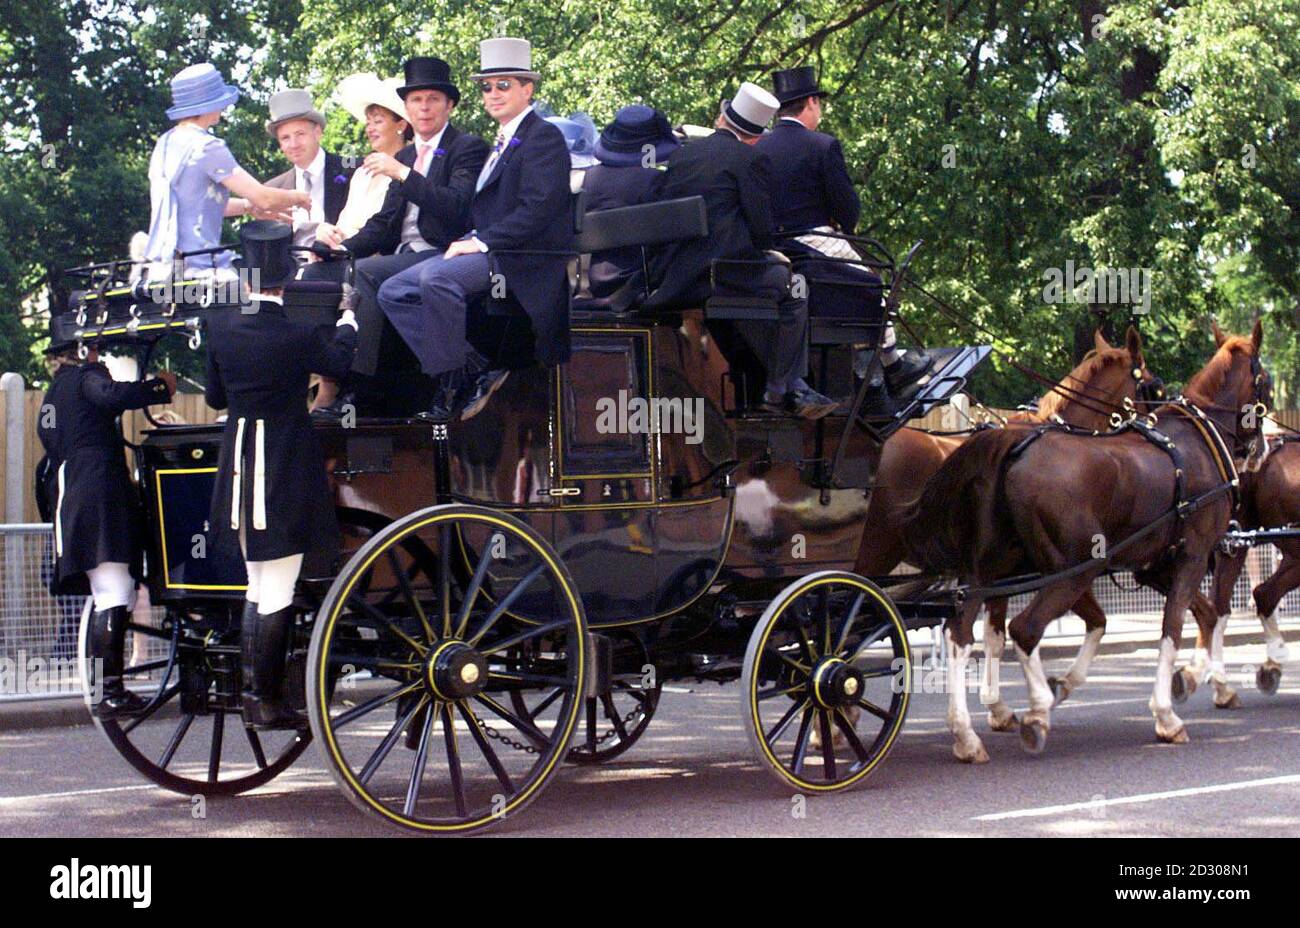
(605, 414)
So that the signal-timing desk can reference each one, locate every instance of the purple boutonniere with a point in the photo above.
(439, 152)
(340, 179)
(514, 140)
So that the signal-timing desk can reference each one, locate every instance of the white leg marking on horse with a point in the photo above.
(1040, 693)
(1277, 649)
(1169, 727)
(966, 744)
(1078, 672)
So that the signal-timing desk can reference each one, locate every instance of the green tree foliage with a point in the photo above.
(1011, 135)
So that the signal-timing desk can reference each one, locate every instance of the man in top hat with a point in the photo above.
(631, 153)
(271, 496)
(425, 210)
(732, 176)
(296, 125)
(521, 202)
(811, 190)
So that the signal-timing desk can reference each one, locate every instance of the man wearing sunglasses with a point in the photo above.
(521, 203)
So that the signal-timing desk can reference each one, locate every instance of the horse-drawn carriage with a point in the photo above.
(517, 588)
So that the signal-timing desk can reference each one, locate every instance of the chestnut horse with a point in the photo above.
(988, 514)
(1270, 498)
(1105, 378)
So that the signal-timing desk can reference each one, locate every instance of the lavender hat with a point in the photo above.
(200, 89)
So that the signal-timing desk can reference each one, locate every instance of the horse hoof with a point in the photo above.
(1060, 692)
(1178, 737)
(1033, 736)
(1267, 679)
(1182, 685)
(1232, 702)
(1010, 723)
(968, 755)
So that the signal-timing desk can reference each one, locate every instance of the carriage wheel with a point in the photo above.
(181, 740)
(614, 720)
(830, 655)
(413, 661)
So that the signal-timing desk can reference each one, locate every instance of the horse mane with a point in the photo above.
(1054, 401)
(1208, 381)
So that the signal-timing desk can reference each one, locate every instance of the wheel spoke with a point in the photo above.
(214, 755)
(453, 761)
(779, 728)
(783, 691)
(515, 677)
(851, 736)
(876, 634)
(771, 649)
(256, 743)
(385, 621)
(485, 747)
(530, 730)
(828, 744)
(809, 652)
(591, 725)
(444, 570)
(516, 640)
(542, 706)
(500, 608)
(826, 619)
(390, 739)
(159, 701)
(848, 622)
(408, 594)
(175, 741)
(801, 741)
(471, 592)
(148, 630)
(370, 705)
(612, 714)
(417, 766)
(873, 709)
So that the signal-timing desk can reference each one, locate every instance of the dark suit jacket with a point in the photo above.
(810, 183)
(608, 187)
(733, 179)
(336, 177)
(526, 205)
(443, 196)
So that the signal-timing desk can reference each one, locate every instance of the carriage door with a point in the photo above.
(605, 479)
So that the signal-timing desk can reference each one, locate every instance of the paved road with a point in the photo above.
(693, 774)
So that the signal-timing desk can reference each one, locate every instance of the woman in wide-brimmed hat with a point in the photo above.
(374, 102)
(192, 175)
(580, 138)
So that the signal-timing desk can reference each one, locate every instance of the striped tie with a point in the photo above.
(491, 161)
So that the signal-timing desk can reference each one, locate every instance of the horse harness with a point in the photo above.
(1183, 506)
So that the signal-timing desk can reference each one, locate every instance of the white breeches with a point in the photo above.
(271, 583)
(111, 585)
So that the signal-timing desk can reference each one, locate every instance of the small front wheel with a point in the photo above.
(826, 681)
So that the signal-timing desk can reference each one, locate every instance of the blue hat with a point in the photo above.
(579, 136)
(634, 127)
(200, 89)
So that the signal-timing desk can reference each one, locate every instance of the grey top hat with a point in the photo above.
(506, 58)
(291, 104)
(751, 109)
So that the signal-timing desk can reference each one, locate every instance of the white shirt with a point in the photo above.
(304, 222)
(507, 131)
(412, 240)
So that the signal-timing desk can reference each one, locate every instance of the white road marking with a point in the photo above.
(1094, 804)
(10, 800)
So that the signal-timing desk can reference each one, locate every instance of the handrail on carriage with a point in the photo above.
(885, 258)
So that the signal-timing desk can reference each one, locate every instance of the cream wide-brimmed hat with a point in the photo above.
(356, 92)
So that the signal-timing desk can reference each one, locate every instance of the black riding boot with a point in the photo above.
(106, 642)
(263, 645)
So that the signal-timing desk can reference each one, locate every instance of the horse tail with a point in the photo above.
(944, 525)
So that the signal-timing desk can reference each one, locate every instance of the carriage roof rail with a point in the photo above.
(89, 269)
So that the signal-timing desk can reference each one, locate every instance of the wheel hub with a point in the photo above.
(836, 683)
(454, 670)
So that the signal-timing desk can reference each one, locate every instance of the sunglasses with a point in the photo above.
(503, 84)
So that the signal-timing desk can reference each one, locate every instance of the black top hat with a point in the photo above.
(634, 127)
(63, 331)
(266, 251)
(423, 73)
(795, 84)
